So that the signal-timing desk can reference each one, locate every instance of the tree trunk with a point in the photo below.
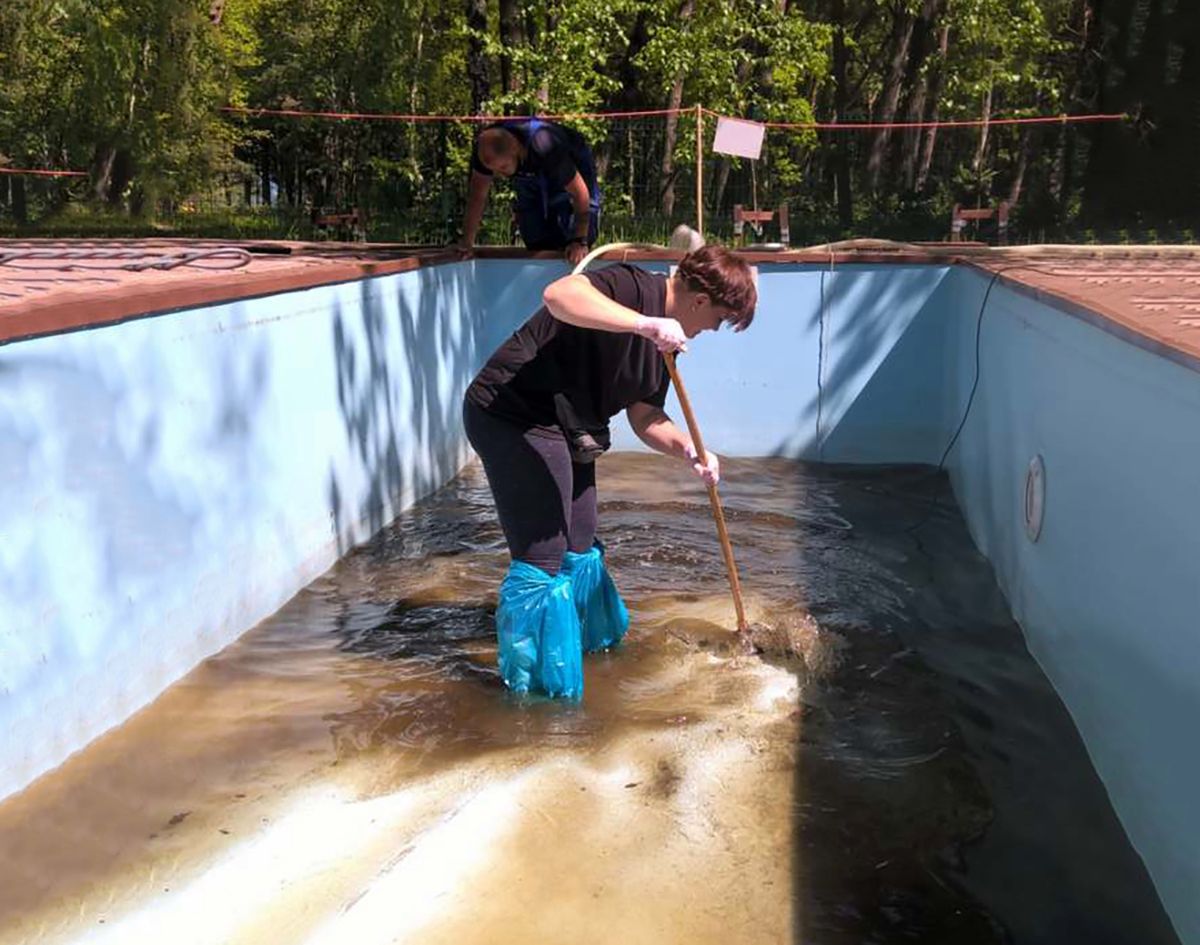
(667, 173)
(510, 39)
(291, 183)
(1143, 166)
(102, 169)
(1018, 181)
(674, 100)
(981, 151)
(414, 83)
(534, 33)
(543, 92)
(20, 208)
(60, 195)
(265, 171)
(841, 161)
(1087, 90)
(918, 81)
(418, 50)
(764, 83)
(724, 165)
(112, 166)
(477, 71)
(630, 170)
(112, 170)
(625, 97)
(723, 168)
(628, 94)
(929, 140)
(889, 100)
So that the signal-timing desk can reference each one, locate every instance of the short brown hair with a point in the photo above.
(723, 277)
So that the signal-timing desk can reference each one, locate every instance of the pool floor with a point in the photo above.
(352, 769)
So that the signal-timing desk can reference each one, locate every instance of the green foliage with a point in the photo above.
(1005, 46)
(133, 90)
(39, 82)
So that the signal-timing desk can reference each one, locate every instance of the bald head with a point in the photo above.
(499, 151)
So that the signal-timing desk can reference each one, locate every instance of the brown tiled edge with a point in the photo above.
(1098, 315)
(755, 257)
(70, 312)
(971, 255)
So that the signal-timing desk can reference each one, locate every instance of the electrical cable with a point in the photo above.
(941, 466)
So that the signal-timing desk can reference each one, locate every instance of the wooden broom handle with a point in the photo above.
(713, 496)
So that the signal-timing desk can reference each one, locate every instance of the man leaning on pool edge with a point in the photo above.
(557, 201)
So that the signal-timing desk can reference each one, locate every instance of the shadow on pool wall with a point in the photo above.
(403, 365)
(398, 364)
(172, 480)
(863, 384)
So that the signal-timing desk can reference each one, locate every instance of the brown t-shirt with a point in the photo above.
(600, 372)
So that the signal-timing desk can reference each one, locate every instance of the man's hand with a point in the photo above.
(461, 248)
(709, 470)
(574, 253)
(666, 333)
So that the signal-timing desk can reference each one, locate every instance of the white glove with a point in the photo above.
(710, 470)
(666, 333)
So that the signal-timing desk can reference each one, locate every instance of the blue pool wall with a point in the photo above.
(171, 481)
(1109, 595)
(174, 480)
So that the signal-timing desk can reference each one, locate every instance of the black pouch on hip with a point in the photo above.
(585, 444)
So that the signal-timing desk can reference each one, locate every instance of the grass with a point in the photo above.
(809, 227)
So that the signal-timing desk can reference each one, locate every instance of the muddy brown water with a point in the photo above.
(352, 769)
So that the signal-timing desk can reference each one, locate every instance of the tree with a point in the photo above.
(134, 90)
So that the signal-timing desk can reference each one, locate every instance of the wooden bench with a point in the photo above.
(349, 226)
(960, 218)
(756, 219)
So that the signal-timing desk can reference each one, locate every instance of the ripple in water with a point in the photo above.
(902, 832)
(939, 792)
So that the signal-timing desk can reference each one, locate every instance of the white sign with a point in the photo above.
(739, 138)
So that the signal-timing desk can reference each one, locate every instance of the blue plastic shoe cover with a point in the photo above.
(538, 628)
(602, 613)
